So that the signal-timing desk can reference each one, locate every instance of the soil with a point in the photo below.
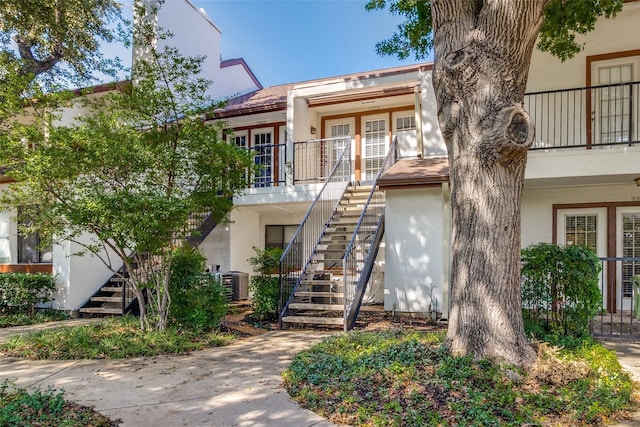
(240, 323)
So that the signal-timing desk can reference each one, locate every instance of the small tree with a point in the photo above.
(124, 179)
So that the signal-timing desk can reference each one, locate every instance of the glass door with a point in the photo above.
(586, 227)
(375, 140)
(262, 155)
(628, 225)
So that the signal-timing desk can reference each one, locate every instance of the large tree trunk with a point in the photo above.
(482, 55)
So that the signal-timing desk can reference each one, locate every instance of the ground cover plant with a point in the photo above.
(403, 377)
(18, 407)
(21, 319)
(113, 338)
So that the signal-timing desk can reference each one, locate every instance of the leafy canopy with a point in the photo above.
(564, 20)
(49, 45)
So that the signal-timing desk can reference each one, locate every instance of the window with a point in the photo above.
(29, 244)
(279, 236)
(240, 141)
(336, 150)
(405, 123)
(614, 103)
(375, 134)
(581, 230)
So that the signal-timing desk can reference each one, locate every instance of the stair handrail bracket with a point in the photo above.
(362, 250)
(297, 255)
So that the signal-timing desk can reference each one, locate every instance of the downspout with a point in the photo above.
(418, 116)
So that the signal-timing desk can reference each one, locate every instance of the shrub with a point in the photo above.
(198, 300)
(21, 292)
(265, 286)
(560, 293)
(19, 407)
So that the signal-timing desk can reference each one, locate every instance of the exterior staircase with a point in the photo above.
(115, 297)
(325, 269)
(320, 297)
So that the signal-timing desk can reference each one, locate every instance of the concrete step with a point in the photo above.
(318, 294)
(315, 306)
(101, 310)
(332, 286)
(111, 289)
(314, 320)
(116, 299)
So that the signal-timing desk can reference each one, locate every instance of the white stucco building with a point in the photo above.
(579, 183)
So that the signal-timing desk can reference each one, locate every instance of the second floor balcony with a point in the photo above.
(588, 117)
(584, 120)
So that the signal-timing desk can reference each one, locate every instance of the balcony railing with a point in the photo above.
(588, 117)
(314, 159)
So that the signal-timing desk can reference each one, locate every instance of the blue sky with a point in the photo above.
(286, 41)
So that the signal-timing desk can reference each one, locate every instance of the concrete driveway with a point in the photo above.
(236, 385)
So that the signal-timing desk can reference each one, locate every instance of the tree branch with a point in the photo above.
(32, 65)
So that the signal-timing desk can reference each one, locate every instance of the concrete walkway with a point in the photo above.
(236, 385)
(628, 353)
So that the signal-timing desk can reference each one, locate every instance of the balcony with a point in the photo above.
(589, 117)
(605, 116)
(311, 163)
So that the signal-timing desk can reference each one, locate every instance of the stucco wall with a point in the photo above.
(216, 247)
(414, 222)
(620, 34)
(537, 204)
(244, 235)
(78, 277)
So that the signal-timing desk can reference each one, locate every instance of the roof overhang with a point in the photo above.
(409, 173)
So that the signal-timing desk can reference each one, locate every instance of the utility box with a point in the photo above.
(238, 283)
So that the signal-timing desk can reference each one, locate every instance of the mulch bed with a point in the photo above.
(240, 323)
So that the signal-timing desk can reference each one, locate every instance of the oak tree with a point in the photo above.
(47, 45)
(482, 51)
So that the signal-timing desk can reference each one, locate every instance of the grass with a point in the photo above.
(406, 378)
(112, 338)
(18, 407)
(22, 319)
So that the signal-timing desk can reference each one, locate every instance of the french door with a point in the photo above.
(375, 141)
(615, 102)
(586, 227)
(628, 248)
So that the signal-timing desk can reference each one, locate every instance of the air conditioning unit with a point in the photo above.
(238, 283)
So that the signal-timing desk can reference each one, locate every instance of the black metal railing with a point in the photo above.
(299, 251)
(589, 117)
(620, 313)
(362, 250)
(314, 160)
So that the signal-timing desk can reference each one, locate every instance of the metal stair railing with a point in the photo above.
(362, 250)
(297, 256)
